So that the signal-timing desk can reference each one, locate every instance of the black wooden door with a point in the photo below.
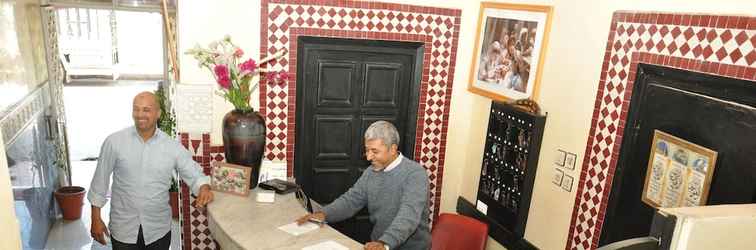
(711, 111)
(343, 86)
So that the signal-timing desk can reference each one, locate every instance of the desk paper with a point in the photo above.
(326, 245)
(266, 196)
(294, 229)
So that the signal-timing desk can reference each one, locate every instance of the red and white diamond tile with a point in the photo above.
(723, 40)
(195, 232)
(370, 20)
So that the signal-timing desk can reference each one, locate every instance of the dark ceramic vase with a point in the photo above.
(244, 140)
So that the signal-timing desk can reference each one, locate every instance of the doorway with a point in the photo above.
(344, 85)
(108, 56)
(711, 111)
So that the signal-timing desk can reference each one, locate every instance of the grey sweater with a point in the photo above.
(397, 201)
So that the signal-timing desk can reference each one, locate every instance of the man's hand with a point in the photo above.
(204, 197)
(99, 230)
(320, 216)
(375, 245)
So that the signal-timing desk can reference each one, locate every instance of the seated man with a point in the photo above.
(395, 190)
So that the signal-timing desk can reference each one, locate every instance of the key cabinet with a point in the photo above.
(510, 158)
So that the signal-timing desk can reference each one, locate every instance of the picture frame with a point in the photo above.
(230, 178)
(509, 51)
(679, 172)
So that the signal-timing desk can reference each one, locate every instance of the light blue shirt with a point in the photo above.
(142, 174)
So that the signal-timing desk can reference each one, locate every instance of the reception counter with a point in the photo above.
(238, 222)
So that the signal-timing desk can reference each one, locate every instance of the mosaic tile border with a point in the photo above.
(195, 233)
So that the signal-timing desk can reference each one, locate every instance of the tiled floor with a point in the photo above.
(88, 125)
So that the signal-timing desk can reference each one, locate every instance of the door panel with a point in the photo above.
(382, 85)
(343, 86)
(333, 137)
(335, 83)
(329, 183)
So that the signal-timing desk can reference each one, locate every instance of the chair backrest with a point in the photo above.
(453, 231)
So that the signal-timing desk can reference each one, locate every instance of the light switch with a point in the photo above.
(559, 158)
(557, 178)
(482, 207)
(569, 161)
(567, 183)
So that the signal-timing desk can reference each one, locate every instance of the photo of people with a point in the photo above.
(506, 53)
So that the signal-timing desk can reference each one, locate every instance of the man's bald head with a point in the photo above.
(147, 96)
(145, 111)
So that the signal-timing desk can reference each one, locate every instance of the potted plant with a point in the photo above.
(243, 128)
(70, 198)
(167, 124)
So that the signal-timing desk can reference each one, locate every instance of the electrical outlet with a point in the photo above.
(567, 183)
(482, 207)
(559, 158)
(557, 178)
(569, 161)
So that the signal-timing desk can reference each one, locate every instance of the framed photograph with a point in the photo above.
(679, 172)
(509, 49)
(230, 178)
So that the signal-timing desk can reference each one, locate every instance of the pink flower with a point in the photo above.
(238, 53)
(221, 74)
(247, 67)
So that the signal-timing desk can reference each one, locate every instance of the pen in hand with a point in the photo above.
(316, 221)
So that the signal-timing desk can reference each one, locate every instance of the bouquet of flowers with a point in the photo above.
(233, 74)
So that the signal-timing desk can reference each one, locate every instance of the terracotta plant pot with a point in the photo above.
(244, 140)
(70, 199)
(174, 204)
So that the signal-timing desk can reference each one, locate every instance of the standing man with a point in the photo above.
(141, 160)
(395, 190)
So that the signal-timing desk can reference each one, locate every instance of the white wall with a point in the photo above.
(11, 237)
(204, 21)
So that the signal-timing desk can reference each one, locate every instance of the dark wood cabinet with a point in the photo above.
(510, 159)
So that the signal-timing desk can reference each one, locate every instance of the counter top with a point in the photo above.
(238, 222)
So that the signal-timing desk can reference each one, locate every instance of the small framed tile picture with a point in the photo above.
(230, 178)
